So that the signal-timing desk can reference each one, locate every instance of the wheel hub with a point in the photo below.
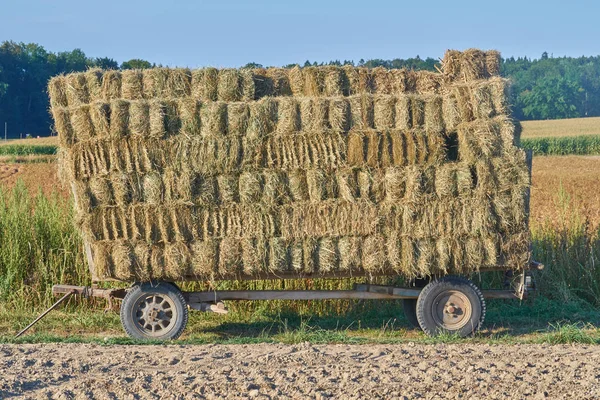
(452, 310)
(155, 315)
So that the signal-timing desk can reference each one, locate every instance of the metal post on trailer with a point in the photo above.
(65, 297)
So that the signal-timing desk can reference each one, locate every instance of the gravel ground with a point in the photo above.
(300, 371)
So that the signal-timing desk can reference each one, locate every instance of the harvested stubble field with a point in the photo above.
(561, 127)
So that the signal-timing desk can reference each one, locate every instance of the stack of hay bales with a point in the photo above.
(320, 171)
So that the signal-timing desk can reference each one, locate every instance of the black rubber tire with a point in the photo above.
(427, 302)
(178, 308)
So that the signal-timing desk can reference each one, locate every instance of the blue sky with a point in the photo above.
(232, 33)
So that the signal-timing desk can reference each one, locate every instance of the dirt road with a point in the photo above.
(300, 371)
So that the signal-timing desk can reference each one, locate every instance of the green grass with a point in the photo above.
(562, 146)
(27, 150)
(40, 247)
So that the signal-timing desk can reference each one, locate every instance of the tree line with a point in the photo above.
(544, 88)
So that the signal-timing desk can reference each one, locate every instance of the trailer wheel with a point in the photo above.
(451, 305)
(154, 311)
(409, 306)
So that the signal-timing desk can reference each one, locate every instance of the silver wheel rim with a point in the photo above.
(452, 310)
(154, 315)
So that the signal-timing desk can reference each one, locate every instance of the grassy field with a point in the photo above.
(561, 127)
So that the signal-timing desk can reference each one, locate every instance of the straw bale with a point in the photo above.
(403, 81)
(328, 255)
(384, 110)
(426, 264)
(373, 148)
(314, 84)
(475, 254)
(316, 185)
(76, 90)
(132, 85)
(417, 111)
(81, 121)
(154, 83)
(500, 93)
(347, 185)
(214, 117)
(230, 85)
(119, 118)
(100, 118)
(177, 260)
(333, 82)
(443, 255)
(473, 64)
(58, 92)
(339, 114)
(250, 187)
(350, 257)
(382, 80)
(227, 189)
(398, 147)
(427, 82)
(395, 184)
(111, 85)
(361, 111)
(482, 100)
(100, 191)
(298, 185)
(279, 255)
(102, 259)
(122, 260)
(204, 258)
(141, 267)
(373, 253)
(238, 116)
(210, 84)
(153, 189)
(157, 261)
(62, 124)
(451, 115)
(434, 116)
(479, 140)
(279, 81)
(254, 255)
(314, 114)
(121, 188)
(288, 117)
(296, 77)
(492, 62)
(403, 113)
(445, 181)
(263, 117)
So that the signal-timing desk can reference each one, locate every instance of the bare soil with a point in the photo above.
(473, 371)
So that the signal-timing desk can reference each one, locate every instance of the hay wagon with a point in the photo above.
(317, 172)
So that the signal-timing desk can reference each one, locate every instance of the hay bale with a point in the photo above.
(451, 114)
(314, 82)
(227, 189)
(296, 78)
(122, 189)
(347, 185)
(314, 114)
(288, 115)
(279, 255)
(298, 185)
(100, 116)
(263, 118)
(395, 184)
(238, 118)
(427, 82)
(119, 118)
(382, 80)
(230, 85)
(254, 255)
(81, 121)
(178, 259)
(210, 87)
(403, 113)
(434, 115)
(492, 62)
(111, 86)
(362, 112)
(279, 82)
(213, 116)
(76, 90)
(339, 114)
(328, 255)
(274, 189)
(100, 191)
(373, 254)
(132, 84)
(204, 258)
(153, 189)
(58, 92)
(141, 266)
(384, 112)
(333, 81)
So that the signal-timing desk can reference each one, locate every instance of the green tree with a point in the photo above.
(136, 63)
(552, 98)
